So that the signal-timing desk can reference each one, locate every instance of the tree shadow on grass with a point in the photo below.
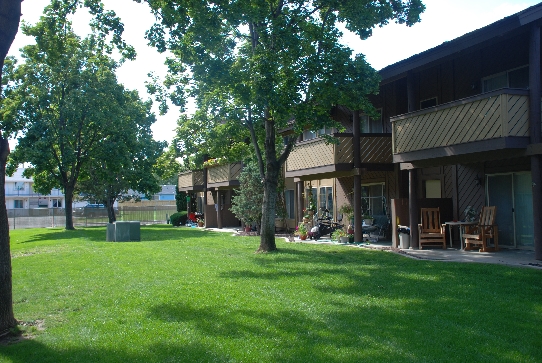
(98, 234)
(34, 351)
(94, 234)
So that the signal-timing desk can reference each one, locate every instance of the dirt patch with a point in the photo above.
(25, 330)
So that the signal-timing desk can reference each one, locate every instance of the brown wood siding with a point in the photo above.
(448, 187)
(494, 116)
(190, 179)
(310, 154)
(428, 82)
(495, 60)
(467, 75)
(446, 92)
(224, 173)
(469, 192)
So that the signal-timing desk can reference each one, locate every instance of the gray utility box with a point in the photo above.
(123, 231)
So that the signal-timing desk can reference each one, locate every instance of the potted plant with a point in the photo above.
(340, 236)
(350, 233)
(368, 219)
(348, 212)
(201, 222)
(301, 231)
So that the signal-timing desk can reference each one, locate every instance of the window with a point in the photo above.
(17, 203)
(57, 203)
(373, 201)
(310, 193)
(369, 125)
(290, 212)
(18, 186)
(433, 189)
(308, 135)
(326, 199)
(326, 130)
(430, 102)
(515, 78)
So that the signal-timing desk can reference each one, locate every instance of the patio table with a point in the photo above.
(461, 225)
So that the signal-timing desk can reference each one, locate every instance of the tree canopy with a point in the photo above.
(270, 64)
(125, 159)
(66, 97)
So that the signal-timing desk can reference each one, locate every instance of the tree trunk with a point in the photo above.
(111, 210)
(10, 15)
(7, 319)
(272, 169)
(68, 194)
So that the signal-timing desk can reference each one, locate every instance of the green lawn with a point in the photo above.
(188, 295)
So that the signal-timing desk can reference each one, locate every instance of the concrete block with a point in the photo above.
(110, 234)
(122, 231)
(135, 231)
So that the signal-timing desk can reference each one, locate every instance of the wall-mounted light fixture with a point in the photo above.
(479, 180)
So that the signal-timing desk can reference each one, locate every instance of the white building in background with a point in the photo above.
(21, 195)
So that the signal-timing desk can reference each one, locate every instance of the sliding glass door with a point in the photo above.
(512, 195)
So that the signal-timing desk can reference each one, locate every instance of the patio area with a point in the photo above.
(510, 257)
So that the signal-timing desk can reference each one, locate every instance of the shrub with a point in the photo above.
(179, 218)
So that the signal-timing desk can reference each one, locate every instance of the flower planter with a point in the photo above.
(247, 229)
(368, 221)
(303, 237)
(200, 224)
(343, 239)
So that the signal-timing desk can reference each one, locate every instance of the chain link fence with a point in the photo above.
(56, 217)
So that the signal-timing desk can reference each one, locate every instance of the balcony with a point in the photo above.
(222, 176)
(191, 181)
(317, 158)
(495, 122)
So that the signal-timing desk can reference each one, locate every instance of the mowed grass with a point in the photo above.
(188, 295)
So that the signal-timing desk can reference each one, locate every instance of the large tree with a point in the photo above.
(105, 23)
(10, 15)
(271, 64)
(67, 96)
(126, 158)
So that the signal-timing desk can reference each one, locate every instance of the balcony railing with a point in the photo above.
(223, 173)
(191, 180)
(375, 148)
(499, 114)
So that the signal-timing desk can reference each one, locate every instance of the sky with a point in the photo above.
(443, 20)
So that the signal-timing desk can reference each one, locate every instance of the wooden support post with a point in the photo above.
(413, 209)
(535, 135)
(219, 209)
(356, 127)
(299, 211)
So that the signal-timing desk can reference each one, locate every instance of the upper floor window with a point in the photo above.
(515, 78)
(17, 203)
(370, 125)
(18, 185)
(430, 102)
(326, 130)
(308, 135)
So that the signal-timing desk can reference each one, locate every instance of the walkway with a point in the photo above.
(510, 257)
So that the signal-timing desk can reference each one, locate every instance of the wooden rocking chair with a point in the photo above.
(486, 229)
(431, 232)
